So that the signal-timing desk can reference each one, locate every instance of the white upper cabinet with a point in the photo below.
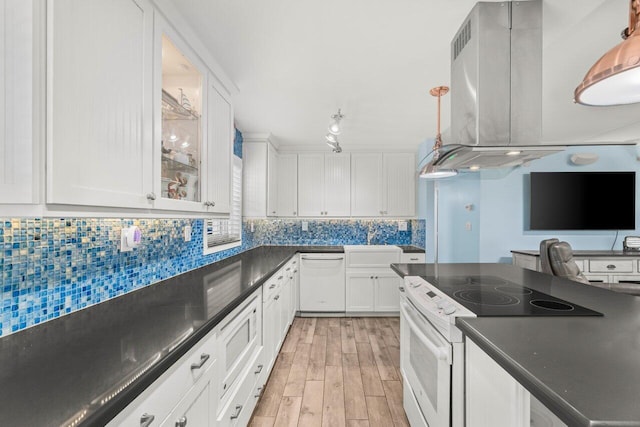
(180, 91)
(219, 149)
(254, 186)
(324, 187)
(310, 184)
(99, 103)
(383, 184)
(18, 28)
(366, 184)
(272, 181)
(399, 184)
(287, 182)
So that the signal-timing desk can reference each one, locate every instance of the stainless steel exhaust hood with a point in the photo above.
(496, 88)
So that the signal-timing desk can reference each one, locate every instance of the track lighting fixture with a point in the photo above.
(334, 126)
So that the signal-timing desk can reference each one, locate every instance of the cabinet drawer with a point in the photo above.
(371, 256)
(241, 402)
(412, 258)
(597, 278)
(272, 286)
(611, 266)
(167, 391)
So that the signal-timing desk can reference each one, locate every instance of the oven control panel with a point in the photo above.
(435, 305)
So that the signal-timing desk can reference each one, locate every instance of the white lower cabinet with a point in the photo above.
(373, 291)
(194, 409)
(493, 398)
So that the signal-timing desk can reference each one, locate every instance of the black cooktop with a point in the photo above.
(494, 296)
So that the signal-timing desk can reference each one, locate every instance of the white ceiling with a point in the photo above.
(296, 62)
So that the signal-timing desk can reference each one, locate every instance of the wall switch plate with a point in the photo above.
(253, 227)
(402, 226)
(130, 238)
(187, 233)
(305, 226)
(467, 226)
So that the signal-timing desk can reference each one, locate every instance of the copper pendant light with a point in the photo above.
(430, 171)
(615, 78)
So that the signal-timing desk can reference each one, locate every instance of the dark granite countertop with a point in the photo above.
(584, 369)
(53, 371)
(584, 253)
(411, 249)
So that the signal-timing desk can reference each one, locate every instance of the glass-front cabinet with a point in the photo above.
(180, 128)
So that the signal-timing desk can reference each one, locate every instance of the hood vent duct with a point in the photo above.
(496, 88)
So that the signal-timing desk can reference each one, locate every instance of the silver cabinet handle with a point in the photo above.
(277, 297)
(151, 196)
(371, 277)
(273, 212)
(203, 359)
(212, 203)
(146, 419)
(280, 277)
(182, 422)
(259, 369)
(401, 288)
(611, 267)
(289, 268)
(272, 286)
(259, 392)
(376, 277)
(294, 212)
(413, 259)
(206, 203)
(295, 271)
(237, 413)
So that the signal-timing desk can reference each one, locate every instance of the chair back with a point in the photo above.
(545, 264)
(563, 264)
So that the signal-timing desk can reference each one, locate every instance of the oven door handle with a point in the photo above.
(441, 353)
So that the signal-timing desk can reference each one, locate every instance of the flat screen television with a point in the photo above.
(583, 201)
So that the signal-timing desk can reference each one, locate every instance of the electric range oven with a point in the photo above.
(432, 347)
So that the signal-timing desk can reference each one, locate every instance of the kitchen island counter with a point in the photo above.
(584, 369)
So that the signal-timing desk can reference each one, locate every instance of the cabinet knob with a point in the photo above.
(381, 212)
(294, 212)
(273, 212)
(277, 297)
(151, 196)
(182, 422)
(371, 277)
(146, 419)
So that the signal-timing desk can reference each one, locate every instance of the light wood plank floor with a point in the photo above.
(334, 372)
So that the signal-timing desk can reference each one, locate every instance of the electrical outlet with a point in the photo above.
(402, 226)
(187, 233)
(253, 227)
(467, 226)
(305, 226)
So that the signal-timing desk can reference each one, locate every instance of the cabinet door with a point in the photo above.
(360, 292)
(493, 397)
(254, 187)
(366, 184)
(387, 292)
(218, 149)
(17, 101)
(399, 191)
(337, 184)
(181, 104)
(287, 185)
(311, 184)
(195, 408)
(99, 102)
(285, 306)
(272, 181)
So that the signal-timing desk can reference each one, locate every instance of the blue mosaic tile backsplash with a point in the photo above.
(51, 266)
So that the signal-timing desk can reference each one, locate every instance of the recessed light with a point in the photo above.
(513, 153)
(474, 168)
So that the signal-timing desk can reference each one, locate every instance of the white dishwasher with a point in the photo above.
(322, 282)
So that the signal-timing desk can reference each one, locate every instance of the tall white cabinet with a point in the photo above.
(19, 33)
(383, 184)
(287, 184)
(324, 184)
(99, 121)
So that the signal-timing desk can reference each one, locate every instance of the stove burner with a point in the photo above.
(514, 290)
(551, 305)
(486, 297)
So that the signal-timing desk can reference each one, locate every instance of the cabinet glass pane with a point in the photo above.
(181, 125)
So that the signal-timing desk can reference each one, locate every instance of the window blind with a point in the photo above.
(222, 231)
